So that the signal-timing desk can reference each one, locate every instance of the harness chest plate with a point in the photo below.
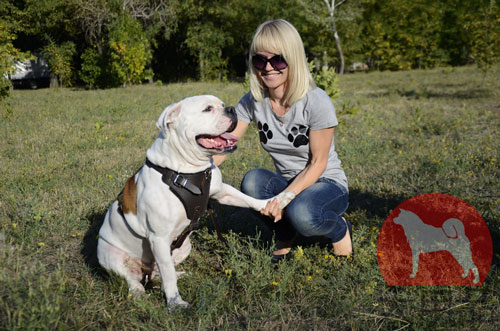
(193, 190)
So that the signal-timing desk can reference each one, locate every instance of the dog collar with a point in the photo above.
(193, 191)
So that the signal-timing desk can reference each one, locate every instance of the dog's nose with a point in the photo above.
(230, 110)
(231, 113)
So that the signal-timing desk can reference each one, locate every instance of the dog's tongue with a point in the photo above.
(218, 142)
(229, 138)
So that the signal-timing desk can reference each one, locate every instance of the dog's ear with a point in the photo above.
(168, 116)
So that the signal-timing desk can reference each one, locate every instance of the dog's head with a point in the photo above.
(200, 124)
(405, 217)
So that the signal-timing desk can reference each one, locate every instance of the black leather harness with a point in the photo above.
(193, 191)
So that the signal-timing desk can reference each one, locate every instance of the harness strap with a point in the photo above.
(192, 190)
(180, 179)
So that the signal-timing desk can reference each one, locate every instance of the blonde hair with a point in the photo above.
(281, 37)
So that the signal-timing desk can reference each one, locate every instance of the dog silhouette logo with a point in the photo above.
(434, 239)
(425, 238)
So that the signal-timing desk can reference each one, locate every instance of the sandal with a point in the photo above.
(276, 258)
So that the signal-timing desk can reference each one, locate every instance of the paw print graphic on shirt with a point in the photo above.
(264, 133)
(299, 136)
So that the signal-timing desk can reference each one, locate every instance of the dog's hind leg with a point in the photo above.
(474, 272)
(116, 260)
(468, 265)
(476, 275)
(180, 254)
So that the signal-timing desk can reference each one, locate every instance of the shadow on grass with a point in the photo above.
(89, 247)
(238, 220)
(464, 94)
(432, 93)
(374, 209)
(495, 238)
(374, 205)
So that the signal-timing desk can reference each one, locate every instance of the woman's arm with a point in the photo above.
(319, 144)
(239, 131)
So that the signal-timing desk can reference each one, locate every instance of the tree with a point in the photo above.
(49, 28)
(331, 6)
(9, 27)
(120, 38)
(207, 36)
(328, 21)
(96, 16)
(60, 59)
(206, 42)
(404, 34)
(8, 54)
(483, 28)
(130, 51)
(92, 68)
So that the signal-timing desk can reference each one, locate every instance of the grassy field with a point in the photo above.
(66, 153)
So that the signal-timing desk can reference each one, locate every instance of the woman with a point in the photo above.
(295, 120)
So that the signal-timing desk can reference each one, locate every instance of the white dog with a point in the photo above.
(424, 238)
(147, 228)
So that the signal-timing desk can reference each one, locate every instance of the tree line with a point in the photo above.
(105, 43)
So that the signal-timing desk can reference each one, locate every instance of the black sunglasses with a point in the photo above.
(277, 62)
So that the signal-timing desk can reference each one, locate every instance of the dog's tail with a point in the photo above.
(454, 228)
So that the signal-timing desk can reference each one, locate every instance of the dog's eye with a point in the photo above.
(208, 109)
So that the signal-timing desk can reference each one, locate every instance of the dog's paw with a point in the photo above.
(181, 274)
(137, 291)
(413, 275)
(284, 198)
(176, 303)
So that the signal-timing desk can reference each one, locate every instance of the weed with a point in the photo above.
(65, 154)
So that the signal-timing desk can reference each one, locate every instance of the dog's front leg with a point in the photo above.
(161, 251)
(415, 255)
(228, 195)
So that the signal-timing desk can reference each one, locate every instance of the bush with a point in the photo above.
(60, 59)
(484, 34)
(8, 54)
(130, 51)
(327, 79)
(91, 68)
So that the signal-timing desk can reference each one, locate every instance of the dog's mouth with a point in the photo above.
(224, 143)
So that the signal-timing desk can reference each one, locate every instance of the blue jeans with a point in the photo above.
(316, 211)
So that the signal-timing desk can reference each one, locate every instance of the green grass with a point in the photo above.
(65, 154)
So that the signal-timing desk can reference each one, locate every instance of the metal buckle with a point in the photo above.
(182, 179)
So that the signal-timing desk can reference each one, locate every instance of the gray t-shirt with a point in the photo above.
(286, 138)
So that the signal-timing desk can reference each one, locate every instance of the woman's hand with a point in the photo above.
(273, 210)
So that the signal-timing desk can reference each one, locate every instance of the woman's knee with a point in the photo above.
(303, 218)
(255, 181)
(310, 220)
